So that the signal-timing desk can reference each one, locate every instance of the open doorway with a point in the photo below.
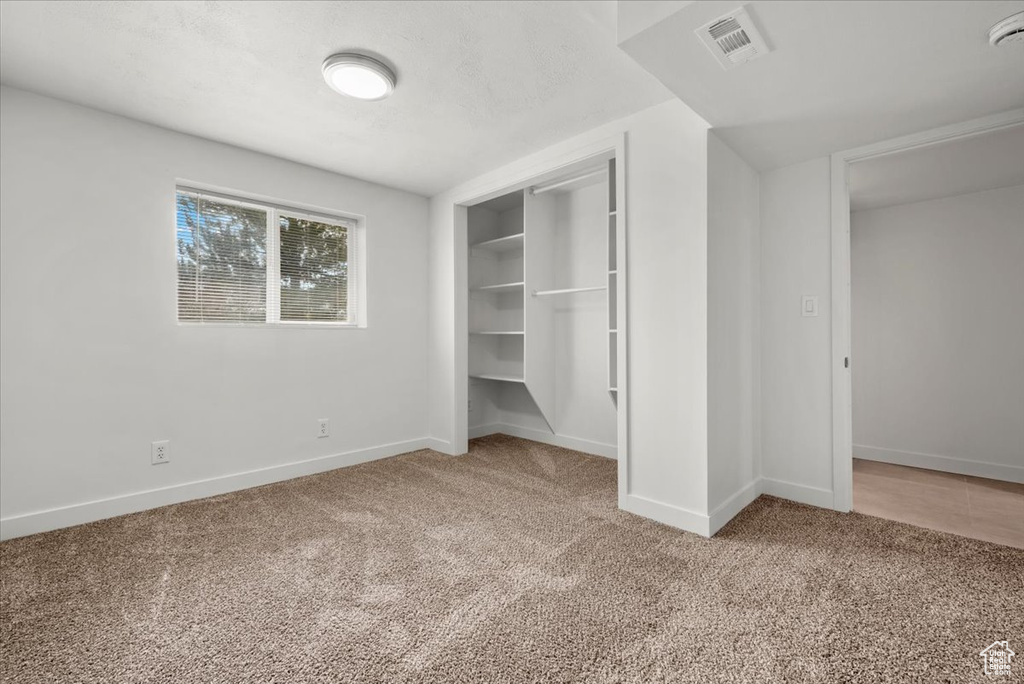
(936, 329)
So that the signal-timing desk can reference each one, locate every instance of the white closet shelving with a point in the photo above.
(497, 288)
(500, 245)
(543, 323)
(568, 290)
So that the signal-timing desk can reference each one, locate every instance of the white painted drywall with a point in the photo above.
(734, 260)
(666, 188)
(94, 364)
(796, 384)
(839, 74)
(938, 333)
(479, 83)
(955, 167)
(636, 16)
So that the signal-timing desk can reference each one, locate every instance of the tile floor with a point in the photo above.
(969, 506)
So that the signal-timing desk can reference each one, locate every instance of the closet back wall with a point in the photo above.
(94, 364)
(583, 406)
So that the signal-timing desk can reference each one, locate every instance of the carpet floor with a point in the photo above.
(509, 564)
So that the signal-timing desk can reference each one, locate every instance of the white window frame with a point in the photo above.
(354, 223)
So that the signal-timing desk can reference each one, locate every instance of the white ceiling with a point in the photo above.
(982, 162)
(840, 74)
(479, 83)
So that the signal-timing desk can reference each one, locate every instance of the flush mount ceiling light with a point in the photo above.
(1009, 30)
(358, 76)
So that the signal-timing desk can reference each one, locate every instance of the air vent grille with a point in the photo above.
(733, 39)
(724, 27)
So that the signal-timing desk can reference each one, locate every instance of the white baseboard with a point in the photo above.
(442, 446)
(708, 525)
(690, 521)
(484, 430)
(731, 507)
(812, 496)
(574, 443)
(946, 464)
(78, 514)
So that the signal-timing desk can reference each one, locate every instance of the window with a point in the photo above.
(246, 262)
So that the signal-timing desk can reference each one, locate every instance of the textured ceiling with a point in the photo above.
(840, 74)
(479, 83)
(982, 162)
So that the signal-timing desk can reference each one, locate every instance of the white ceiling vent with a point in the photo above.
(733, 39)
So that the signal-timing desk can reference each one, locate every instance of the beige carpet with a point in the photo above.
(510, 564)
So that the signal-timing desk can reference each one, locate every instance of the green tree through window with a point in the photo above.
(230, 252)
(314, 270)
(222, 260)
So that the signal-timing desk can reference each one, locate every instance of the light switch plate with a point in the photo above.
(809, 305)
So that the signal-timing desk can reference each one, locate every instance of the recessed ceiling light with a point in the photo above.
(358, 76)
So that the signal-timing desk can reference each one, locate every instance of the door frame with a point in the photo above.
(842, 390)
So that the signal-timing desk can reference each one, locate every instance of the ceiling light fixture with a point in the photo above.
(1009, 30)
(358, 76)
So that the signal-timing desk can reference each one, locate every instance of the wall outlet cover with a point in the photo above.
(160, 452)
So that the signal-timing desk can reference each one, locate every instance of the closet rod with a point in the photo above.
(536, 190)
(571, 290)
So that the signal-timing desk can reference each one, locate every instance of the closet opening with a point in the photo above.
(544, 283)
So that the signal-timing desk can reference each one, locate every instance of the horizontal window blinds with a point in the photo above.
(222, 260)
(247, 262)
(314, 263)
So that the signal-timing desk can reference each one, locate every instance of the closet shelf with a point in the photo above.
(503, 244)
(570, 290)
(499, 378)
(495, 332)
(504, 287)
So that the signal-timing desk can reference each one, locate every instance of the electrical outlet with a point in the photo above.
(325, 428)
(160, 452)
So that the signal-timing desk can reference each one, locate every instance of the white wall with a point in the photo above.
(938, 333)
(95, 366)
(667, 255)
(796, 383)
(734, 260)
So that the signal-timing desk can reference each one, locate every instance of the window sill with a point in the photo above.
(297, 325)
